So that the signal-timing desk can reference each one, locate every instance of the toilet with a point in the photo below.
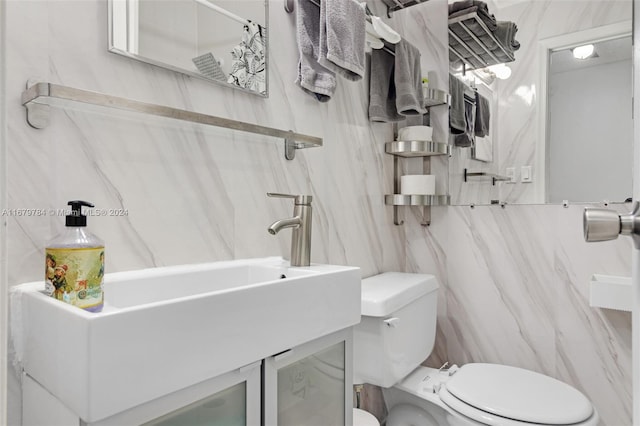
(397, 333)
(364, 418)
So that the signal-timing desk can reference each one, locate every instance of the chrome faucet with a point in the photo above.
(301, 224)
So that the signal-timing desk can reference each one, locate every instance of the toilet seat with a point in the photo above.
(509, 396)
(486, 418)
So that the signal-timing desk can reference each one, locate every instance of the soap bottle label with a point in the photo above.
(75, 276)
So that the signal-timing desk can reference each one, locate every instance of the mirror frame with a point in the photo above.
(118, 51)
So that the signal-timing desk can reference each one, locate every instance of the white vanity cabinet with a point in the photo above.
(309, 384)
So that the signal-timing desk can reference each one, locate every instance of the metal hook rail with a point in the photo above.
(40, 96)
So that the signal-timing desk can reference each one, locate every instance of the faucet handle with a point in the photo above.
(298, 199)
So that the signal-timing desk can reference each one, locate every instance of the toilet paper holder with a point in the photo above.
(413, 149)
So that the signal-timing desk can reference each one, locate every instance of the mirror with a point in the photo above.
(222, 41)
(561, 127)
(597, 151)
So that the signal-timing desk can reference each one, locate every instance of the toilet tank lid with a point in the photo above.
(385, 293)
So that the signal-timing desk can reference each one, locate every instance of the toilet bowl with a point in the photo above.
(364, 418)
(397, 333)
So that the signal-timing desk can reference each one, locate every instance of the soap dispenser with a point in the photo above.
(74, 262)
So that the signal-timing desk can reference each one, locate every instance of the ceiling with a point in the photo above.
(608, 51)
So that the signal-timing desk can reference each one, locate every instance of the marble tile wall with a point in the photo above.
(193, 194)
(513, 281)
(514, 290)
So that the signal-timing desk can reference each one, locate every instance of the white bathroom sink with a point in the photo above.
(165, 329)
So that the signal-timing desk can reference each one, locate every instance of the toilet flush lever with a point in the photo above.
(392, 322)
(604, 224)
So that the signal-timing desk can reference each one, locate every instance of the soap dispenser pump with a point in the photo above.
(74, 263)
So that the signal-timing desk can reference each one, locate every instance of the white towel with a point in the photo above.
(342, 38)
(313, 78)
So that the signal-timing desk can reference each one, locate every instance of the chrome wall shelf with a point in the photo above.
(436, 97)
(412, 149)
(464, 52)
(416, 148)
(416, 200)
(39, 96)
(494, 178)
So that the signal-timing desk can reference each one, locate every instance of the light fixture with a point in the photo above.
(501, 71)
(583, 52)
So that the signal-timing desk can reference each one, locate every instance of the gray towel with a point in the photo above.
(506, 33)
(466, 138)
(459, 5)
(313, 78)
(342, 38)
(483, 116)
(382, 89)
(457, 122)
(408, 80)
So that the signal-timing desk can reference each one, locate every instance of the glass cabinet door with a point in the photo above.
(225, 408)
(231, 399)
(307, 386)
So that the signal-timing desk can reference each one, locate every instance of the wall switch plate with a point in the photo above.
(525, 174)
(511, 174)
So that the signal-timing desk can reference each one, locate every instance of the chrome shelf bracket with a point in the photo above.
(289, 148)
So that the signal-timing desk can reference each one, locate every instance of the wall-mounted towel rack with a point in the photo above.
(39, 96)
(470, 57)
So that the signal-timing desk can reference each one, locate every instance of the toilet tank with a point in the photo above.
(397, 329)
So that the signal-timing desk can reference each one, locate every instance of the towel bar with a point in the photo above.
(494, 177)
(39, 96)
